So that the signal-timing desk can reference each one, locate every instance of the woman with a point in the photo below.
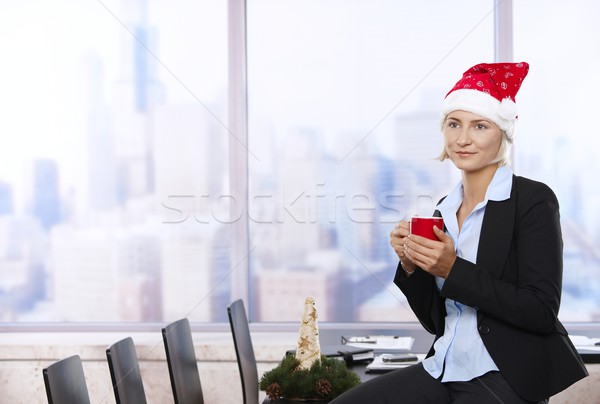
(489, 289)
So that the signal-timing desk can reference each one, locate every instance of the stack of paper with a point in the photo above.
(380, 343)
(582, 342)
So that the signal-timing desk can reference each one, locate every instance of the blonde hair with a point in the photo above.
(503, 157)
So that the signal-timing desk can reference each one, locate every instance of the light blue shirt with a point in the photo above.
(460, 354)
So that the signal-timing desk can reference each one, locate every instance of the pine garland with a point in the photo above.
(325, 380)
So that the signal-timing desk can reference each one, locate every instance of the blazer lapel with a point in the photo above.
(497, 233)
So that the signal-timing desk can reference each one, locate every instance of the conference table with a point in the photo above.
(421, 344)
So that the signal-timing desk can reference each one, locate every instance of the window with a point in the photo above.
(115, 152)
(556, 141)
(344, 100)
(113, 144)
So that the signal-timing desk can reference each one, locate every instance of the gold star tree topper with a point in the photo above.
(309, 349)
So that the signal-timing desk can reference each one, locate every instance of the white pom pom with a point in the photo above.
(508, 109)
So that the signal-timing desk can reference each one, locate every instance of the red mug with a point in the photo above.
(423, 226)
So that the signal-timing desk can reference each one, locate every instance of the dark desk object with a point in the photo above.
(589, 356)
(65, 382)
(125, 372)
(284, 401)
(244, 351)
(181, 360)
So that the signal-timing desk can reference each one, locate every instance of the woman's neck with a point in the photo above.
(475, 184)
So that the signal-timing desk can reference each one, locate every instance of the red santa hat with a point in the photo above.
(489, 90)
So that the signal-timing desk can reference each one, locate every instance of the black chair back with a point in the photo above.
(181, 359)
(244, 351)
(65, 382)
(125, 372)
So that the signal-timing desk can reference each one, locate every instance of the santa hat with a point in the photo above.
(489, 90)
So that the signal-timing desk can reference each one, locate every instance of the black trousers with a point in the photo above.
(413, 385)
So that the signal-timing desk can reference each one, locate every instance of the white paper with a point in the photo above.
(581, 341)
(382, 342)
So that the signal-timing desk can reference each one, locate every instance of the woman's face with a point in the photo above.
(472, 142)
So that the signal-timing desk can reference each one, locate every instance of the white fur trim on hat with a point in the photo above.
(503, 114)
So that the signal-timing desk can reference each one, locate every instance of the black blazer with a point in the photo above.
(515, 287)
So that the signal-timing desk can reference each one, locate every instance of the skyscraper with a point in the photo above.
(138, 92)
(6, 198)
(46, 197)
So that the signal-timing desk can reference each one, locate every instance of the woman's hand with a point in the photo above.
(435, 257)
(398, 238)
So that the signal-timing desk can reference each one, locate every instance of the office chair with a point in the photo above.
(65, 382)
(125, 372)
(244, 351)
(181, 359)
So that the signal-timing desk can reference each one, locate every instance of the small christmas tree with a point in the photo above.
(308, 375)
(309, 349)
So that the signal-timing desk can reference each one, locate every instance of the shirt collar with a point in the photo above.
(501, 185)
(498, 190)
